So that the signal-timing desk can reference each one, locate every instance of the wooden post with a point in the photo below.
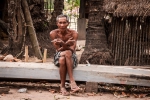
(92, 87)
(26, 54)
(44, 55)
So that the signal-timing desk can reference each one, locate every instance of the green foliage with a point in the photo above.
(71, 7)
(74, 3)
(49, 4)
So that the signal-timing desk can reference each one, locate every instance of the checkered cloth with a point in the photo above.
(57, 56)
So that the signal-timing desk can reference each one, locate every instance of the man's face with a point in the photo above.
(62, 23)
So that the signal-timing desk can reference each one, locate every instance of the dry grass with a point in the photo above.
(126, 8)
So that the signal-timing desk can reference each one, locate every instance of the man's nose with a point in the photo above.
(62, 24)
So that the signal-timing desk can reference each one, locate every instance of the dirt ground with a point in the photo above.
(33, 94)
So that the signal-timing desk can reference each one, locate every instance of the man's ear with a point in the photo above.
(68, 23)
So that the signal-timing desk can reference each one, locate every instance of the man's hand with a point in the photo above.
(54, 40)
(58, 41)
(70, 42)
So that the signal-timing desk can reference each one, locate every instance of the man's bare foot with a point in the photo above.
(64, 92)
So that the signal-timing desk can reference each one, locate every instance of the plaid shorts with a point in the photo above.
(57, 56)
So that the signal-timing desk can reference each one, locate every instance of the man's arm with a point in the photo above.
(57, 42)
(61, 46)
(54, 40)
(73, 41)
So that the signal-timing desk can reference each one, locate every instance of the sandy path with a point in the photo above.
(46, 95)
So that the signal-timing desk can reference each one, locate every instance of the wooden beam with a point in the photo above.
(92, 73)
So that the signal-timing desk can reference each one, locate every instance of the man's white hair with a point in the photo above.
(62, 15)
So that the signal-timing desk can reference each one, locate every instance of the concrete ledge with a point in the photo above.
(93, 73)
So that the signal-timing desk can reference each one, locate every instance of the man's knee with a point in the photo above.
(62, 60)
(68, 53)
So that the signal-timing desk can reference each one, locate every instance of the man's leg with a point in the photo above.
(62, 70)
(69, 63)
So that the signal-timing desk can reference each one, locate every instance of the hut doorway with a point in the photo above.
(3, 23)
(130, 41)
(2, 9)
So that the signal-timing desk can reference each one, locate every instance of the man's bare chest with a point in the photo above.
(65, 37)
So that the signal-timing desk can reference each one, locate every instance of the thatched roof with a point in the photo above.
(126, 8)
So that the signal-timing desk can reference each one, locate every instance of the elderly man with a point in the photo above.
(64, 40)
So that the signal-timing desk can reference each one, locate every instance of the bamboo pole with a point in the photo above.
(139, 44)
(124, 30)
(126, 39)
(129, 36)
(132, 35)
(143, 42)
(116, 40)
(31, 30)
(130, 39)
(113, 37)
(120, 35)
(121, 40)
(148, 38)
(146, 32)
(140, 47)
(136, 41)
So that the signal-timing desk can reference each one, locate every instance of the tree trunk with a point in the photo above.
(96, 48)
(58, 8)
(31, 30)
(16, 25)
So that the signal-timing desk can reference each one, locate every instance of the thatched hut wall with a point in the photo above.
(130, 39)
(130, 36)
(125, 8)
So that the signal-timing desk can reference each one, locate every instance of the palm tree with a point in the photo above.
(96, 48)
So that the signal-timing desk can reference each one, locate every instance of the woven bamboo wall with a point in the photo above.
(130, 41)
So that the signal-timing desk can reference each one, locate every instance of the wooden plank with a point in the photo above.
(92, 73)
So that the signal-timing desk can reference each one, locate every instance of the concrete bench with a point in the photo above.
(92, 73)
